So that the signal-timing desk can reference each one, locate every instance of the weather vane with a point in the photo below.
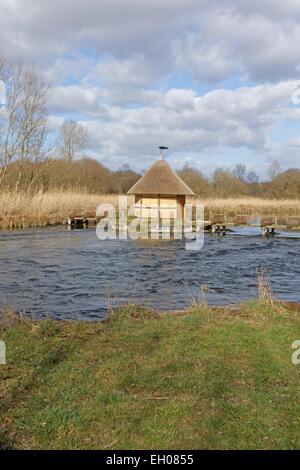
(161, 148)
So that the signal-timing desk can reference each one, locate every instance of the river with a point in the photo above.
(72, 275)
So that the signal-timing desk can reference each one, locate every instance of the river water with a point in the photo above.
(72, 275)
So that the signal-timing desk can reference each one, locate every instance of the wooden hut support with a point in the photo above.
(268, 230)
(81, 222)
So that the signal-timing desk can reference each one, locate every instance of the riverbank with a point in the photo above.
(23, 210)
(206, 378)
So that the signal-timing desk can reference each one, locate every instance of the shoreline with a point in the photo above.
(229, 230)
(40, 209)
(233, 309)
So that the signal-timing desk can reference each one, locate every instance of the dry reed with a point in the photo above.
(21, 209)
(280, 206)
(265, 294)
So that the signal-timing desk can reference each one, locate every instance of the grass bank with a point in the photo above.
(207, 379)
(20, 209)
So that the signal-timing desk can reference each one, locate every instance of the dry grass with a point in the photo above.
(20, 209)
(264, 288)
(283, 206)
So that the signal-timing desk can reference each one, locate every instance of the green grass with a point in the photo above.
(205, 379)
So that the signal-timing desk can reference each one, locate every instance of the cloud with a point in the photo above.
(208, 62)
(63, 70)
(228, 43)
(39, 29)
(186, 121)
(212, 39)
(123, 81)
(286, 152)
(206, 77)
(76, 99)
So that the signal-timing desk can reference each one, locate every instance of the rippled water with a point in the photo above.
(73, 275)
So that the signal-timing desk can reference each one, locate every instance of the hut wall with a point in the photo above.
(143, 205)
(167, 206)
(181, 203)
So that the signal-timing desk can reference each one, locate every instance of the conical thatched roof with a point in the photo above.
(161, 179)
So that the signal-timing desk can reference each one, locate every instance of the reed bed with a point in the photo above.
(22, 209)
(279, 206)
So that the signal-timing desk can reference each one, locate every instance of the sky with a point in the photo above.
(218, 81)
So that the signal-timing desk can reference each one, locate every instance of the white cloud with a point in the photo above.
(44, 29)
(123, 81)
(287, 153)
(208, 62)
(76, 99)
(229, 44)
(212, 39)
(133, 69)
(185, 121)
(61, 70)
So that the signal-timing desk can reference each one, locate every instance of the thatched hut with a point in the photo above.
(162, 189)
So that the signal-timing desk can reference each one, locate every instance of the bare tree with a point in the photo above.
(273, 169)
(240, 171)
(3, 115)
(73, 140)
(252, 177)
(3, 68)
(26, 120)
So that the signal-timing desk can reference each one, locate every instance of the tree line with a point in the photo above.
(237, 182)
(32, 158)
(89, 175)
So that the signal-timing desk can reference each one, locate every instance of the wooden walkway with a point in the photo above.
(267, 221)
(217, 223)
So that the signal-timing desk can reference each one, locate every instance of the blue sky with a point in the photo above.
(213, 80)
